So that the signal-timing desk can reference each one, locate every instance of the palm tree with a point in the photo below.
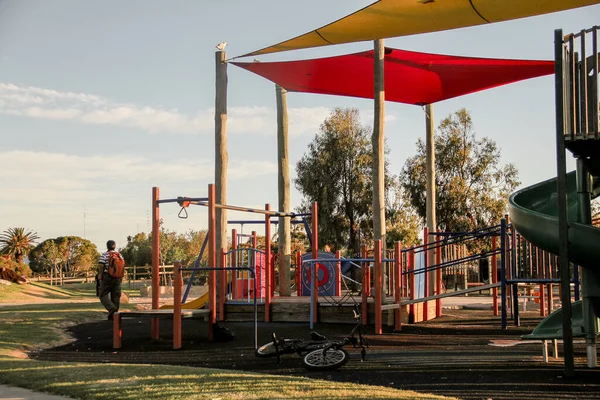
(17, 242)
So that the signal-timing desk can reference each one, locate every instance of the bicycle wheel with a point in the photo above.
(268, 350)
(330, 359)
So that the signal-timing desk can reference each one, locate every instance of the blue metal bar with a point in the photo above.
(196, 265)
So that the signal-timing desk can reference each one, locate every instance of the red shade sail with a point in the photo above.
(410, 77)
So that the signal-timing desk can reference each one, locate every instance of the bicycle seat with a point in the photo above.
(317, 336)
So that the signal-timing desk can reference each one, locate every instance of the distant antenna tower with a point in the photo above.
(84, 221)
(147, 221)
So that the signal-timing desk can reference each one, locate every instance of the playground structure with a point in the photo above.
(564, 226)
(393, 290)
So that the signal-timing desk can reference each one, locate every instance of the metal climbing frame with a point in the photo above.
(576, 88)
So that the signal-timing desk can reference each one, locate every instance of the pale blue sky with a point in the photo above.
(100, 101)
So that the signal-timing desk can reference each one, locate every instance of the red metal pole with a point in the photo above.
(338, 274)
(212, 259)
(257, 268)
(223, 284)
(177, 305)
(234, 256)
(315, 255)
(155, 259)
(426, 273)
(397, 285)
(298, 273)
(412, 279)
(378, 282)
(267, 266)
(438, 280)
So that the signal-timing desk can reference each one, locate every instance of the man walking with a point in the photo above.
(109, 290)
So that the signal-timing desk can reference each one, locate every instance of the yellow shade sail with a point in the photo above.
(392, 18)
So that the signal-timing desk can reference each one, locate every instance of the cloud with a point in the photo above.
(55, 177)
(35, 102)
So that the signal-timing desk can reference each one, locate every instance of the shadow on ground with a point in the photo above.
(463, 354)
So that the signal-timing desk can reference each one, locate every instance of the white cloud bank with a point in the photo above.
(36, 102)
(55, 177)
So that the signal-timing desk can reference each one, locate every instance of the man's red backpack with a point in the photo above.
(116, 264)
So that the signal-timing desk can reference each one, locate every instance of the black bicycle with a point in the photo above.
(318, 353)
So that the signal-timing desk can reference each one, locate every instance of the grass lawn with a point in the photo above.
(35, 326)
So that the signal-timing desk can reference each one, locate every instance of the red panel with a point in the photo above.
(410, 77)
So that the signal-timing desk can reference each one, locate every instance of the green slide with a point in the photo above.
(534, 213)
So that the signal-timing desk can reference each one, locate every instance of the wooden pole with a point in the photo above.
(283, 160)
(221, 153)
(378, 143)
(377, 277)
(430, 186)
(155, 259)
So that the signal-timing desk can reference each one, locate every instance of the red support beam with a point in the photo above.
(378, 282)
(298, 273)
(267, 266)
(398, 285)
(222, 283)
(426, 253)
(234, 257)
(315, 255)
(366, 282)
(212, 259)
(438, 280)
(177, 282)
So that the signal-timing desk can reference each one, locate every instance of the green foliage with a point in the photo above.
(17, 242)
(138, 250)
(402, 222)
(337, 172)
(472, 188)
(20, 268)
(174, 246)
(72, 254)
